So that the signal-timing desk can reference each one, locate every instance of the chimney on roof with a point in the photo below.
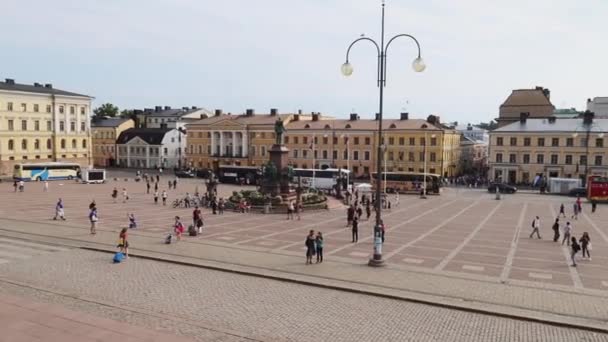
(523, 117)
(218, 112)
(552, 119)
(354, 116)
(405, 116)
(185, 108)
(377, 116)
(547, 93)
(588, 100)
(37, 85)
(296, 117)
(588, 117)
(158, 108)
(9, 81)
(137, 111)
(48, 85)
(300, 111)
(167, 107)
(274, 111)
(315, 116)
(147, 110)
(249, 112)
(469, 127)
(194, 107)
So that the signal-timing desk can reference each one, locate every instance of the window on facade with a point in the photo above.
(527, 142)
(569, 142)
(355, 155)
(367, 141)
(11, 145)
(82, 126)
(304, 154)
(554, 159)
(24, 125)
(391, 141)
(366, 170)
(37, 125)
(499, 141)
(72, 110)
(49, 144)
(422, 142)
(263, 151)
(166, 151)
(61, 126)
(316, 140)
(315, 154)
(305, 140)
(402, 141)
(37, 144)
(73, 143)
(433, 141)
(598, 160)
(554, 142)
(513, 141)
(366, 155)
(324, 154)
(24, 107)
(568, 159)
(433, 156)
(512, 158)
(325, 140)
(412, 141)
(422, 156)
(83, 110)
(9, 106)
(499, 157)
(252, 150)
(540, 158)
(295, 153)
(599, 142)
(48, 108)
(390, 155)
(541, 141)
(49, 126)
(287, 139)
(11, 125)
(72, 126)
(84, 143)
(296, 140)
(61, 109)
(345, 154)
(36, 108)
(335, 154)
(355, 169)
(24, 144)
(411, 156)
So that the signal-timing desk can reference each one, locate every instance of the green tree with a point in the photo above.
(106, 109)
(490, 126)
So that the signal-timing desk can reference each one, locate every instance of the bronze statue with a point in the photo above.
(279, 129)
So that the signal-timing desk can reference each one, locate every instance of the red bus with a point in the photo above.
(597, 188)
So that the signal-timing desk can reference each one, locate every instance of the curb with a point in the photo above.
(558, 320)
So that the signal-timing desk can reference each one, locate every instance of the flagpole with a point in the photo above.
(348, 162)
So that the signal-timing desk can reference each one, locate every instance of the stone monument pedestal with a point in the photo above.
(279, 156)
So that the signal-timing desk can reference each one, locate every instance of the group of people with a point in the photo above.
(294, 208)
(576, 245)
(314, 246)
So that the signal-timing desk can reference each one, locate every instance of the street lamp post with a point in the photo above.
(347, 69)
(588, 126)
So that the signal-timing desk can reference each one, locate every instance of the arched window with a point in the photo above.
(63, 143)
(24, 144)
(49, 144)
(84, 143)
(327, 127)
(393, 126)
(307, 126)
(11, 145)
(74, 144)
(37, 144)
(347, 126)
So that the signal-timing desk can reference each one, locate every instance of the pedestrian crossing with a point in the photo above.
(12, 250)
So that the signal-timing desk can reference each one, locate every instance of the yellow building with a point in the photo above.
(563, 148)
(104, 135)
(225, 139)
(40, 123)
(327, 142)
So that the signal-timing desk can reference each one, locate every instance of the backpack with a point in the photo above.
(118, 257)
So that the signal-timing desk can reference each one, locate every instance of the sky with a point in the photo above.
(286, 54)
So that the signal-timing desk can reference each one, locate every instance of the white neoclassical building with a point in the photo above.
(151, 148)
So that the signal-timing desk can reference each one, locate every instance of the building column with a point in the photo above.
(245, 147)
(147, 157)
(233, 143)
(222, 149)
(128, 155)
(212, 143)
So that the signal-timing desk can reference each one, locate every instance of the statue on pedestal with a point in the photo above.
(279, 129)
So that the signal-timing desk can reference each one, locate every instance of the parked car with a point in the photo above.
(582, 192)
(184, 174)
(502, 188)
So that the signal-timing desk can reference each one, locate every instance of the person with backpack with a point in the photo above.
(93, 218)
(574, 248)
(567, 233)
(585, 242)
(535, 227)
(123, 243)
(556, 230)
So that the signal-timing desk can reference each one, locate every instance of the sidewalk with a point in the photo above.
(24, 320)
(567, 307)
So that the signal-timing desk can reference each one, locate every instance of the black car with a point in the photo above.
(502, 188)
(184, 174)
(582, 192)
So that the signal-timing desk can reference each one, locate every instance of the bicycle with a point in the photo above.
(178, 203)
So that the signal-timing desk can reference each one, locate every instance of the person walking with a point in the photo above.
(355, 229)
(164, 197)
(593, 206)
(574, 248)
(562, 210)
(21, 186)
(46, 186)
(350, 214)
(214, 206)
(382, 230)
(170, 183)
(585, 242)
(125, 195)
(299, 208)
(157, 179)
(567, 233)
(15, 185)
(59, 210)
(175, 184)
(319, 246)
(290, 209)
(196, 215)
(359, 212)
(155, 196)
(114, 194)
(93, 218)
(178, 228)
(187, 200)
(555, 228)
(132, 221)
(156, 186)
(310, 246)
(368, 210)
(123, 242)
(535, 227)
(147, 187)
(575, 211)
(579, 204)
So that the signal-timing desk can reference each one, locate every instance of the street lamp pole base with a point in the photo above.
(376, 261)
